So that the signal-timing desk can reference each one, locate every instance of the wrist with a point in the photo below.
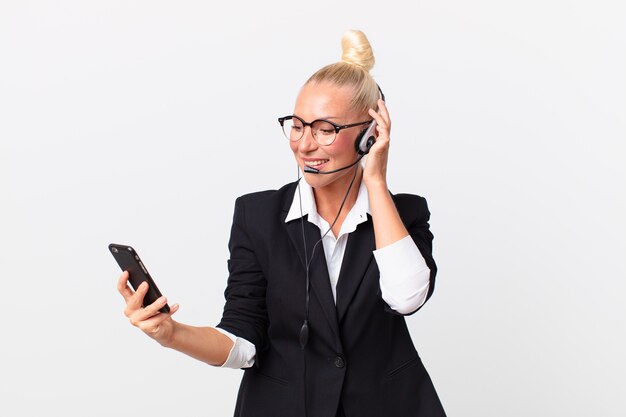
(169, 341)
(376, 186)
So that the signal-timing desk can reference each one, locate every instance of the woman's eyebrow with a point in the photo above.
(322, 118)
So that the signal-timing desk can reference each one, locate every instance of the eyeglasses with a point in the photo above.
(324, 131)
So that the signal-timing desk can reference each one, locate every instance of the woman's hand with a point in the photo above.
(375, 172)
(155, 324)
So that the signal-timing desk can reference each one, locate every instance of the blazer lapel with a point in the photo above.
(358, 256)
(318, 271)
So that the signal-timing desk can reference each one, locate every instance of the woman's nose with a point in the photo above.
(307, 142)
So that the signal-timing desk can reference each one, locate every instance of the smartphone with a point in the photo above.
(128, 259)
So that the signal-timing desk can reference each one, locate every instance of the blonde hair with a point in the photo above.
(353, 71)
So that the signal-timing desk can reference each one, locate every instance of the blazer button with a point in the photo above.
(340, 362)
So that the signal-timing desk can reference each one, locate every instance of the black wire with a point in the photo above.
(307, 261)
(305, 326)
(336, 218)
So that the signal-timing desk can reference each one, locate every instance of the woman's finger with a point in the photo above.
(384, 112)
(136, 301)
(157, 319)
(173, 309)
(382, 132)
(148, 311)
(122, 286)
(382, 124)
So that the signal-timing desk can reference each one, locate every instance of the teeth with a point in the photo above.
(314, 163)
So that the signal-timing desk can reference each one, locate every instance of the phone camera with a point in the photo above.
(114, 250)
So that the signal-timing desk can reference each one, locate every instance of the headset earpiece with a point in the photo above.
(357, 141)
(365, 139)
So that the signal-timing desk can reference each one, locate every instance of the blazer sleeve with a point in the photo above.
(415, 210)
(245, 313)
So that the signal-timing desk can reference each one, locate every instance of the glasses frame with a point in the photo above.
(337, 127)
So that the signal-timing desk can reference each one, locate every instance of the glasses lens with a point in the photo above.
(293, 129)
(324, 132)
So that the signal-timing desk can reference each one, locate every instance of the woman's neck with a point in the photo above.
(328, 199)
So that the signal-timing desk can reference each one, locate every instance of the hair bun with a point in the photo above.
(357, 50)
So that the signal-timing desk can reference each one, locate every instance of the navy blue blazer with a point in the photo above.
(360, 352)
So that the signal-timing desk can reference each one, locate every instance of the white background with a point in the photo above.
(140, 122)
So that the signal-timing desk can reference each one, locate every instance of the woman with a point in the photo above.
(321, 335)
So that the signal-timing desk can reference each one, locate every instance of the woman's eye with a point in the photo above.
(327, 131)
